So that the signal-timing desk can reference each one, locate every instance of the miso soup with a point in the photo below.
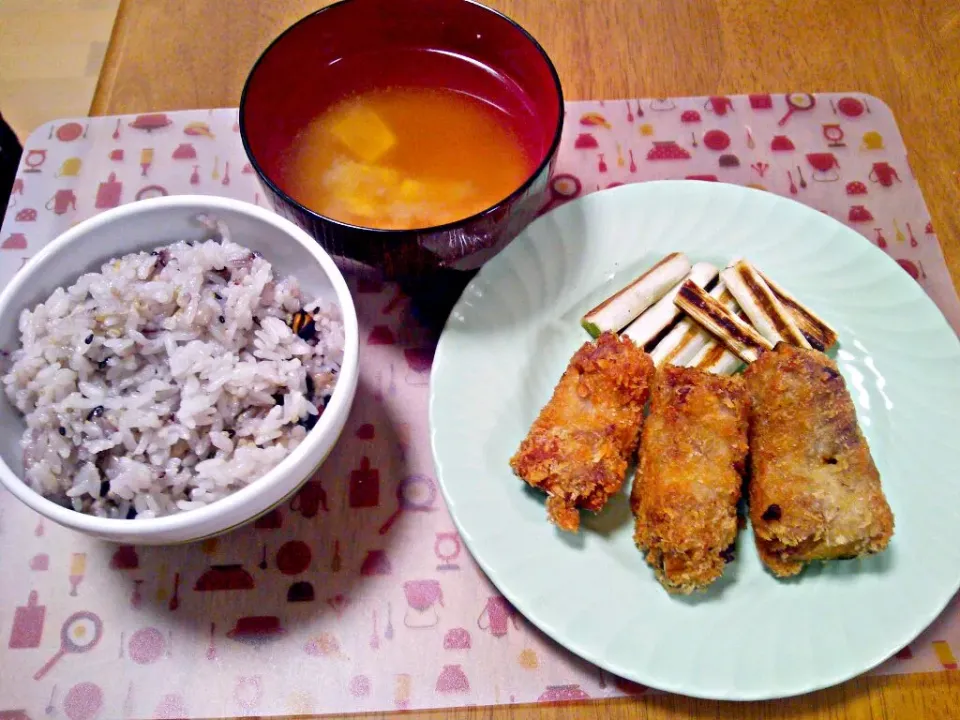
(406, 157)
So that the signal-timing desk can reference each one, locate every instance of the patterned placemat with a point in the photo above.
(359, 595)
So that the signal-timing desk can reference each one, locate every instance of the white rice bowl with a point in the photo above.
(169, 379)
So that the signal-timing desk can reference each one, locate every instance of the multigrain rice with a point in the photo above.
(169, 379)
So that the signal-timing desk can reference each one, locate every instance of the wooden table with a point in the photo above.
(179, 54)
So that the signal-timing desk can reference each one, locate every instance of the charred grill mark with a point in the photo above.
(820, 335)
(723, 321)
(769, 308)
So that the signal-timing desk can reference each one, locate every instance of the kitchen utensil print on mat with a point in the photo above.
(78, 570)
(293, 557)
(457, 638)
(198, 129)
(80, 634)
(108, 193)
(62, 201)
(170, 707)
(125, 557)
(310, 499)
(667, 150)
(151, 122)
(422, 597)
(849, 106)
(452, 679)
(27, 629)
(872, 140)
(272, 520)
(376, 562)
(797, 102)
(83, 701)
(415, 493)
(175, 599)
(34, 159)
(248, 692)
(69, 167)
(15, 241)
(257, 630)
(68, 132)
(224, 577)
(825, 165)
(184, 151)
(594, 119)
(364, 490)
(718, 104)
(147, 645)
(447, 548)
(419, 361)
(884, 174)
(586, 141)
(301, 591)
(563, 188)
(833, 134)
(212, 646)
(495, 616)
(359, 686)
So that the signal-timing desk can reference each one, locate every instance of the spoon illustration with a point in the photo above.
(211, 650)
(388, 634)
(175, 600)
(375, 637)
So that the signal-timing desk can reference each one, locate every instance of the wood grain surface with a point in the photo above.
(181, 54)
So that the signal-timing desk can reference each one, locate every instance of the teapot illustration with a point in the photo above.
(883, 173)
(718, 104)
(62, 201)
(495, 616)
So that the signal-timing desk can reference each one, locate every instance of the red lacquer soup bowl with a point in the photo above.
(359, 45)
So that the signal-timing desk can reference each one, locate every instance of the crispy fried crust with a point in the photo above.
(692, 458)
(578, 448)
(815, 492)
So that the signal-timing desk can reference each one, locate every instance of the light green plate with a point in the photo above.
(749, 636)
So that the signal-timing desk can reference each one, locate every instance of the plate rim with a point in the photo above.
(515, 598)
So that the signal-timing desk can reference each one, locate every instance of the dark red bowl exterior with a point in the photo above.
(279, 96)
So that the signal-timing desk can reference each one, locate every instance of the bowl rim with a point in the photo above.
(277, 477)
(431, 229)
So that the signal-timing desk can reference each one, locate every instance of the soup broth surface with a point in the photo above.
(407, 157)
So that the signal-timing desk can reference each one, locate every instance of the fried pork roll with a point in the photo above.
(814, 490)
(692, 457)
(578, 448)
